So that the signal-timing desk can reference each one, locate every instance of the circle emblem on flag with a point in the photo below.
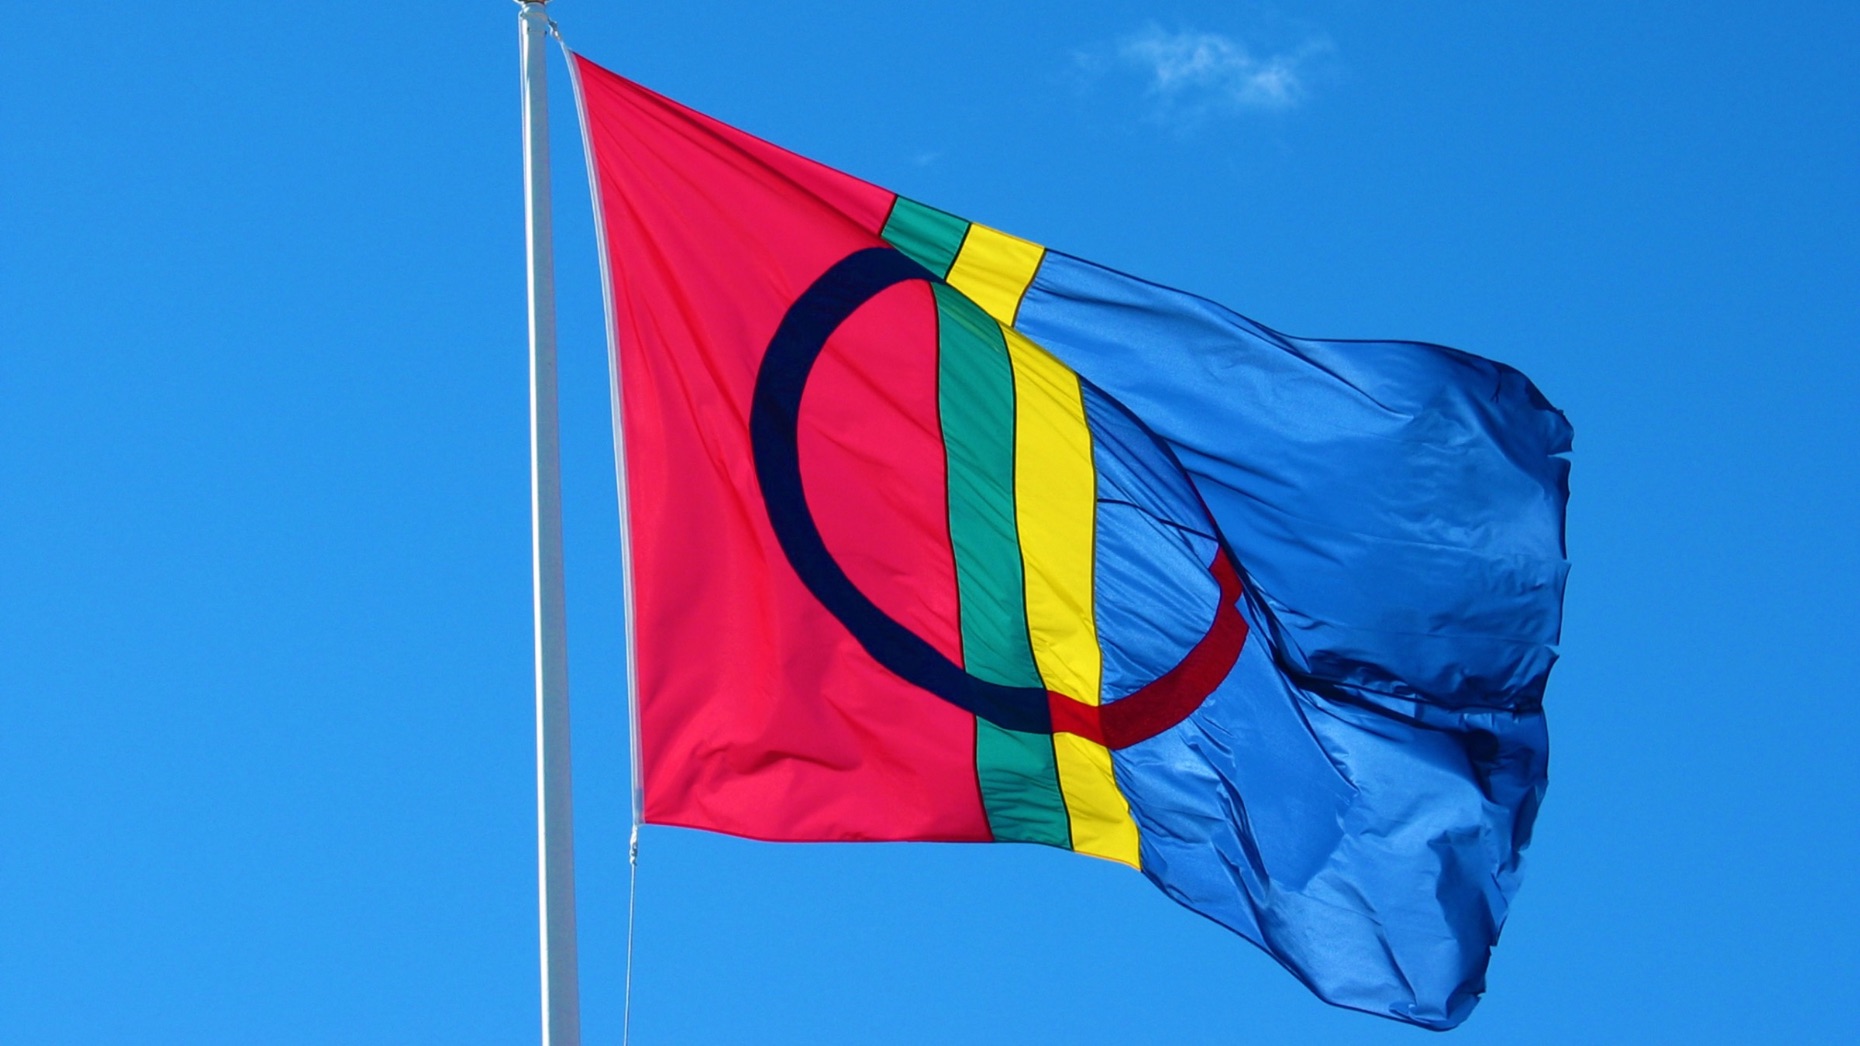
(1168, 695)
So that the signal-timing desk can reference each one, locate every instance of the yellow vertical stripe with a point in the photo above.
(1101, 823)
(993, 269)
(1055, 495)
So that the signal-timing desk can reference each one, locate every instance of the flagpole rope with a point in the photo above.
(632, 895)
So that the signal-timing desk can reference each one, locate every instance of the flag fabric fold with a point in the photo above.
(943, 535)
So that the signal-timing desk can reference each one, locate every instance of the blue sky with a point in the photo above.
(265, 722)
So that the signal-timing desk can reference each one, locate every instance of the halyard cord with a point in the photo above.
(632, 892)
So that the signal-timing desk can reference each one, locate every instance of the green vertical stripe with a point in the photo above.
(975, 390)
(975, 387)
(930, 237)
(1020, 786)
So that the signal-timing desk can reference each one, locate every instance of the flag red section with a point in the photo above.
(760, 715)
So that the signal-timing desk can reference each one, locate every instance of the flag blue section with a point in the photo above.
(1355, 796)
(1152, 592)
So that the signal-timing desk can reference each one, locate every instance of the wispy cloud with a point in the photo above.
(1191, 75)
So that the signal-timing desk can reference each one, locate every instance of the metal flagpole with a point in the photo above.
(555, 826)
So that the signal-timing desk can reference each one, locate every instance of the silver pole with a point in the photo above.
(555, 825)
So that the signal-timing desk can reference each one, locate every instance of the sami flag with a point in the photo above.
(943, 535)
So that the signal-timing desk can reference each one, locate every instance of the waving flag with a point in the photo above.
(943, 535)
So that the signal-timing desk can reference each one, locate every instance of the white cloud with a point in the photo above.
(1194, 74)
